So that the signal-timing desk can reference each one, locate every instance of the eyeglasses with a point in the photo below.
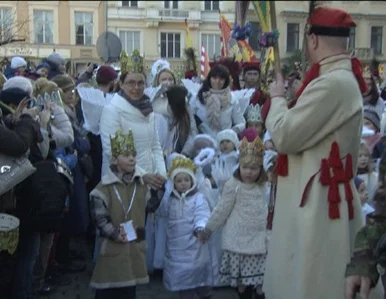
(132, 84)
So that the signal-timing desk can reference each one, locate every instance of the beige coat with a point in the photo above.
(308, 252)
(121, 265)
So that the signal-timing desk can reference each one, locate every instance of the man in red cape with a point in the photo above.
(251, 73)
(318, 212)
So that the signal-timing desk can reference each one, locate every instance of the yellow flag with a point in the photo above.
(189, 43)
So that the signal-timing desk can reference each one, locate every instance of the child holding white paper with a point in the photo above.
(118, 206)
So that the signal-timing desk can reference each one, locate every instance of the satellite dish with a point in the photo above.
(109, 47)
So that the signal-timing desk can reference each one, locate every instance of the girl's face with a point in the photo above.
(363, 195)
(250, 172)
(166, 79)
(367, 123)
(217, 83)
(364, 158)
(42, 72)
(258, 127)
(227, 146)
(183, 182)
(126, 164)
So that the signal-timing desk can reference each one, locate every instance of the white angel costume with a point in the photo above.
(239, 98)
(189, 264)
(93, 100)
(203, 186)
(168, 133)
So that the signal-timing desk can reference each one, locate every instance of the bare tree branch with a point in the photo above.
(11, 30)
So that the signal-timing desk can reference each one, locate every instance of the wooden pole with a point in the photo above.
(276, 46)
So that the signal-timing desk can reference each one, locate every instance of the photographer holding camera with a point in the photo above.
(87, 75)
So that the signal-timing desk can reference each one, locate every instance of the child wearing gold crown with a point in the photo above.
(188, 266)
(242, 211)
(118, 206)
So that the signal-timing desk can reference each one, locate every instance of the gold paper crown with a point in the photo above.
(180, 162)
(131, 64)
(122, 144)
(366, 72)
(251, 152)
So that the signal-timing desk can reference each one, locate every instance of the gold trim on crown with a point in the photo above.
(251, 152)
(132, 64)
(122, 144)
(181, 162)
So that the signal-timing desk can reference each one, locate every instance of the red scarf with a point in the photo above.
(312, 74)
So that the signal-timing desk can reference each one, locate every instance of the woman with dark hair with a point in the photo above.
(175, 123)
(214, 108)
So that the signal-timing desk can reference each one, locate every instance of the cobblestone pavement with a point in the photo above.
(79, 288)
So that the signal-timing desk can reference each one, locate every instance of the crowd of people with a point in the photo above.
(198, 180)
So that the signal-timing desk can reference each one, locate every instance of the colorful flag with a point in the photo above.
(189, 43)
(263, 11)
(204, 62)
(225, 35)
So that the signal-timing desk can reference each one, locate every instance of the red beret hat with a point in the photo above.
(106, 73)
(251, 65)
(330, 22)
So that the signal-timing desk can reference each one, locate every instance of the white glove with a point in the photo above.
(221, 172)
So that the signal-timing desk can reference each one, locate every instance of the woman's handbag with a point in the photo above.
(13, 171)
(9, 233)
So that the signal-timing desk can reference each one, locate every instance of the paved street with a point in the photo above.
(79, 289)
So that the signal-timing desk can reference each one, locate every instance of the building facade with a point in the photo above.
(70, 28)
(157, 28)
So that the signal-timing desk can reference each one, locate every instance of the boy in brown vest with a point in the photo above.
(118, 206)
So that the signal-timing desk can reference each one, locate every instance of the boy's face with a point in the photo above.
(363, 195)
(227, 146)
(258, 127)
(363, 158)
(126, 164)
(182, 182)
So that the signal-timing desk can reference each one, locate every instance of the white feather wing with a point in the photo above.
(93, 101)
(243, 97)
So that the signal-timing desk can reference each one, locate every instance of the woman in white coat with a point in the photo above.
(131, 109)
(214, 108)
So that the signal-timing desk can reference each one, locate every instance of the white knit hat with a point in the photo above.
(205, 139)
(19, 82)
(17, 62)
(230, 135)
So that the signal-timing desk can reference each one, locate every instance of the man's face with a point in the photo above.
(312, 46)
(251, 77)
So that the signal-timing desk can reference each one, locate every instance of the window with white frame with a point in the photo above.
(43, 26)
(212, 44)
(377, 39)
(130, 3)
(84, 28)
(171, 4)
(130, 40)
(170, 45)
(212, 5)
(6, 23)
(351, 39)
(292, 37)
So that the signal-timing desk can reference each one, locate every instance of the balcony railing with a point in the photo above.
(213, 16)
(173, 14)
(363, 53)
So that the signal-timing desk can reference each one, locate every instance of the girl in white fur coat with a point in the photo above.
(188, 267)
(242, 211)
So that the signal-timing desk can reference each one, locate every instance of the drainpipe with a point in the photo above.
(106, 15)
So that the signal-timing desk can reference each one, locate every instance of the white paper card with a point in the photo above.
(131, 234)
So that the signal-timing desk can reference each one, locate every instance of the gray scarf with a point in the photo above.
(144, 105)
